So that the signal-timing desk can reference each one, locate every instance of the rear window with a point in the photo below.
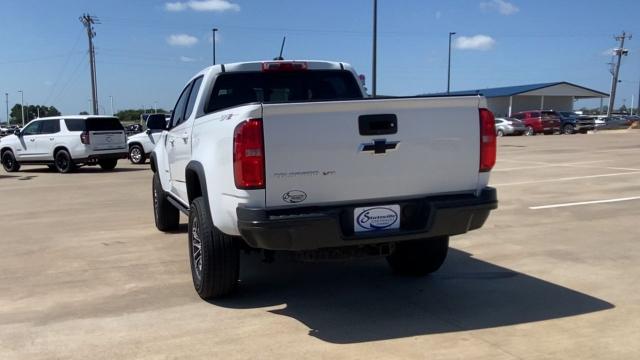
(233, 89)
(93, 124)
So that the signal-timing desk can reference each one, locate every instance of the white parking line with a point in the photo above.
(567, 179)
(584, 203)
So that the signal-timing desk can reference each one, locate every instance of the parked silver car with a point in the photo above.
(509, 126)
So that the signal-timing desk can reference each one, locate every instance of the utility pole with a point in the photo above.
(88, 21)
(214, 30)
(374, 66)
(111, 101)
(619, 52)
(22, 105)
(449, 64)
(6, 102)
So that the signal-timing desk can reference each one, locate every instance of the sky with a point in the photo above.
(147, 50)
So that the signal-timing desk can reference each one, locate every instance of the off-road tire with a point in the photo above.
(167, 217)
(214, 256)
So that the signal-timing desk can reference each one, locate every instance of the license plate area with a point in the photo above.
(376, 218)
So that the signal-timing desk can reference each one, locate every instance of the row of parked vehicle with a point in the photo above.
(562, 122)
(64, 143)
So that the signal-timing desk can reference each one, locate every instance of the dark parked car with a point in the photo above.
(615, 122)
(539, 121)
(571, 123)
(509, 126)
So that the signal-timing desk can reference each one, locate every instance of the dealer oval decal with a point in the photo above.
(378, 218)
(294, 196)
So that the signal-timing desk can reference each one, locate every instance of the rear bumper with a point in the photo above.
(325, 227)
(107, 156)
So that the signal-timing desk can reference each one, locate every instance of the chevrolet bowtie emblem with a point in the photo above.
(379, 146)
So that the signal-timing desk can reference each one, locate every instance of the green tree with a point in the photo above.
(31, 112)
(133, 115)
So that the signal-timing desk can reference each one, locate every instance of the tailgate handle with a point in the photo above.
(378, 124)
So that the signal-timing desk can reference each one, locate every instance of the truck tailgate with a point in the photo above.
(316, 153)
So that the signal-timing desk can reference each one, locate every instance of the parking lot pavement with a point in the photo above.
(553, 274)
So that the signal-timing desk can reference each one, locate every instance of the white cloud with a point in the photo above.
(476, 42)
(438, 14)
(202, 5)
(182, 40)
(502, 6)
(175, 6)
(187, 59)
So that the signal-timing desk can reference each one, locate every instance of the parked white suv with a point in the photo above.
(65, 142)
(141, 145)
(292, 156)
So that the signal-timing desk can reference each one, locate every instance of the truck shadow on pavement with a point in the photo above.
(362, 301)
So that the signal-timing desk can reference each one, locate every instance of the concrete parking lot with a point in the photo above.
(554, 274)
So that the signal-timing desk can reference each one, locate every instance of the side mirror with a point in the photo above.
(17, 132)
(156, 122)
(148, 131)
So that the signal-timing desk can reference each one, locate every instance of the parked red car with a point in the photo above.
(539, 121)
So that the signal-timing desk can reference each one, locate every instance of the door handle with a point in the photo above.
(51, 139)
(32, 140)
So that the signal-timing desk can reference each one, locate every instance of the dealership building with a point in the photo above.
(558, 96)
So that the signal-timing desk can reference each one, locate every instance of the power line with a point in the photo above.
(71, 78)
(64, 67)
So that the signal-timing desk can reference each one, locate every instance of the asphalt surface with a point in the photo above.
(552, 275)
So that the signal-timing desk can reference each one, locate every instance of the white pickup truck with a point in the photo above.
(293, 156)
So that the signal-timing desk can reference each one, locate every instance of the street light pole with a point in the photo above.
(22, 105)
(374, 75)
(6, 101)
(449, 64)
(213, 40)
(111, 101)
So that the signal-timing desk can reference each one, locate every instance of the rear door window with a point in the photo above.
(50, 127)
(192, 98)
(178, 112)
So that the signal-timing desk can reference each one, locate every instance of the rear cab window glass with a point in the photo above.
(93, 124)
(233, 89)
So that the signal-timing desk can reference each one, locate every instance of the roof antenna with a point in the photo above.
(284, 39)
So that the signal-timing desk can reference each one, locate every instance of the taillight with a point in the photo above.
(248, 155)
(284, 66)
(85, 138)
(487, 140)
